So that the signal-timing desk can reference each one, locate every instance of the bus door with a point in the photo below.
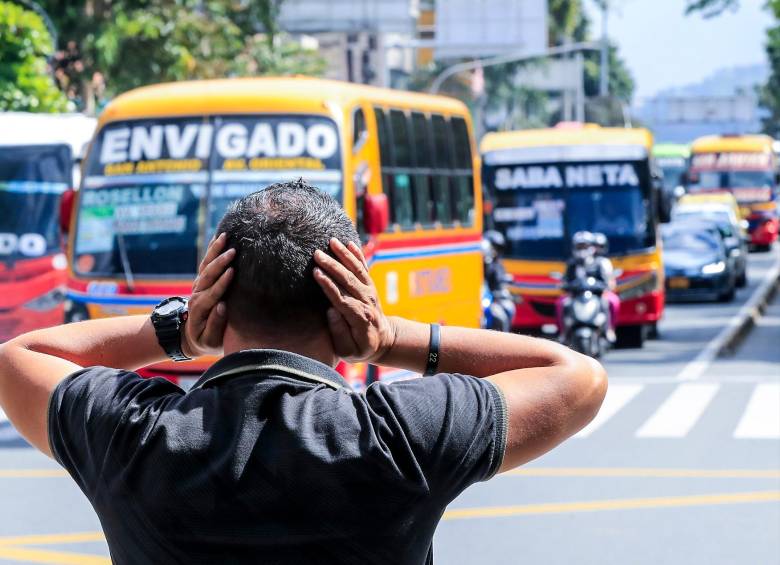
(32, 266)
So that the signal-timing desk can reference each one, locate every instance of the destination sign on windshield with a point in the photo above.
(731, 161)
(601, 175)
(229, 144)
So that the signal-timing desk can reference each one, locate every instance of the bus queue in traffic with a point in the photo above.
(575, 216)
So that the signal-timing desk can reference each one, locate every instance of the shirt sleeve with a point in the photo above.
(85, 412)
(450, 428)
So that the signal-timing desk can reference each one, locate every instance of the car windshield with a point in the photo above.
(538, 223)
(155, 190)
(720, 216)
(693, 242)
(32, 179)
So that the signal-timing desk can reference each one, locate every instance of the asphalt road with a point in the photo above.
(671, 471)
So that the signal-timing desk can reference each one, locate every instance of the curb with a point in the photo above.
(726, 341)
(751, 312)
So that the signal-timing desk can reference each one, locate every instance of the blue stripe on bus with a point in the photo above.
(33, 186)
(146, 300)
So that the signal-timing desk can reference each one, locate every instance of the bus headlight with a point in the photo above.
(47, 301)
(713, 268)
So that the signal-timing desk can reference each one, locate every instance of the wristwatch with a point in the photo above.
(168, 319)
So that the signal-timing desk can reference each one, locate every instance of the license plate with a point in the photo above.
(679, 282)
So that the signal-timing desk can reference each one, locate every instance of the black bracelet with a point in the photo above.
(431, 368)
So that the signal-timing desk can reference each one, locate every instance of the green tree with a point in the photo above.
(709, 8)
(25, 44)
(136, 42)
(770, 92)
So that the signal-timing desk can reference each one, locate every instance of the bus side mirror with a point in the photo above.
(66, 209)
(376, 213)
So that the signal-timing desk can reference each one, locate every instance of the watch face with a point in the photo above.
(170, 307)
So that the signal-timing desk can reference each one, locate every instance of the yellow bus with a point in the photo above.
(167, 160)
(746, 166)
(545, 185)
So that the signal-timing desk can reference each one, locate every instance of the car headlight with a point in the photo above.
(47, 301)
(713, 268)
(585, 310)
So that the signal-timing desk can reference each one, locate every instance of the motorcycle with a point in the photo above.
(498, 309)
(585, 317)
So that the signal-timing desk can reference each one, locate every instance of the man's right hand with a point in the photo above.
(359, 329)
(207, 319)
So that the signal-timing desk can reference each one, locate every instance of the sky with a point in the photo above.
(664, 48)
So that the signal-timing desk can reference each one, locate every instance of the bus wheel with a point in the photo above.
(652, 331)
(631, 336)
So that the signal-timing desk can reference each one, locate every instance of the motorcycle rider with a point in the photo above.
(586, 262)
(502, 305)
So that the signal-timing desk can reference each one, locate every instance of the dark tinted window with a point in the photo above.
(421, 133)
(382, 133)
(441, 139)
(462, 145)
(402, 213)
(358, 126)
(401, 140)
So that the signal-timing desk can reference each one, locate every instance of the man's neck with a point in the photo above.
(318, 346)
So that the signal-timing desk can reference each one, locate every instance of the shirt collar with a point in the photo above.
(284, 362)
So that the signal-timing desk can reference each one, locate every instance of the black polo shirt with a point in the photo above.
(272, 458)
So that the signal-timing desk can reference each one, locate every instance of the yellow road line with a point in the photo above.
(32, 473)
(617, 504)
(31, 555)
(644, 472)
(50, 539)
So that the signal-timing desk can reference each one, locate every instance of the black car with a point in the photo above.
(697, 262)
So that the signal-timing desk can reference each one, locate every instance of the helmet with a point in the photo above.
(601, 242)
(583, 245)
(582, 240)
(496, 239)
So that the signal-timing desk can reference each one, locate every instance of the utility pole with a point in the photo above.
(604, 66)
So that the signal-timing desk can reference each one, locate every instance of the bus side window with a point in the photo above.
(423, 154)
(359, 138)
(444, 166)
(464, 180)
(384, 152)
(401, 203)
(359, 130)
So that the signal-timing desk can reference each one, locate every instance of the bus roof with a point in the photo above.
(582, 134)
(671, 150)
(273, 94)
(24, 128)
(578, 142)
(733, 143)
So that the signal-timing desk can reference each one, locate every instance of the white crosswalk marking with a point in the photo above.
(680, 411)
(761, 419)
(617, 396)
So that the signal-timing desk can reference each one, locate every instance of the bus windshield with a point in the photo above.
(747, 186)
(32, 179)
(155, 190)
(611, 198)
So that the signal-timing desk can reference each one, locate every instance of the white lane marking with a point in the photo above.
(761, 419)
(680, 411)
(618, 395)
(696, 368)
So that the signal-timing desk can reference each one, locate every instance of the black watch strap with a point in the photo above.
(432, 366)
(168, 327)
